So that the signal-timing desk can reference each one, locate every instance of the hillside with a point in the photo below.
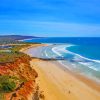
(16, 37)
(17, 78)
(6, 39)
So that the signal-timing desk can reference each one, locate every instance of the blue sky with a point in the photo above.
(50, 17)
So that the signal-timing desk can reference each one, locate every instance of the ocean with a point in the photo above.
(82, 54)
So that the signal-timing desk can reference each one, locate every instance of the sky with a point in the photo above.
(50, 18)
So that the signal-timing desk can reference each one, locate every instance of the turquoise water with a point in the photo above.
(84, 65)
(89, 51)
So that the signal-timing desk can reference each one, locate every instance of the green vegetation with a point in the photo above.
(13, 54)
(2, 96)
(9, 55)
(7, 84)
(16, 48)
(6, 57)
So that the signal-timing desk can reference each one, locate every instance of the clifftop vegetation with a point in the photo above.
(17, 78)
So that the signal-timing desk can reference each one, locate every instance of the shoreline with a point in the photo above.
(32, 46)
(63, 84)
(29, 39)
(84, 79)
(26, 39)
(90, 86)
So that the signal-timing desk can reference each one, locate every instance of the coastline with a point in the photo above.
(91, 83)
(76, 83)
(29, 38)
(31, 46)
(26, 39)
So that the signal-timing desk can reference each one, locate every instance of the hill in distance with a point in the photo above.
(13, 38)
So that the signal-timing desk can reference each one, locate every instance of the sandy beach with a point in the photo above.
(59, 84)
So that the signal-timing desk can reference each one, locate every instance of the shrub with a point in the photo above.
(7, 84)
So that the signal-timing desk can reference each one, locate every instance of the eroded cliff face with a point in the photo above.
(24, 77)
